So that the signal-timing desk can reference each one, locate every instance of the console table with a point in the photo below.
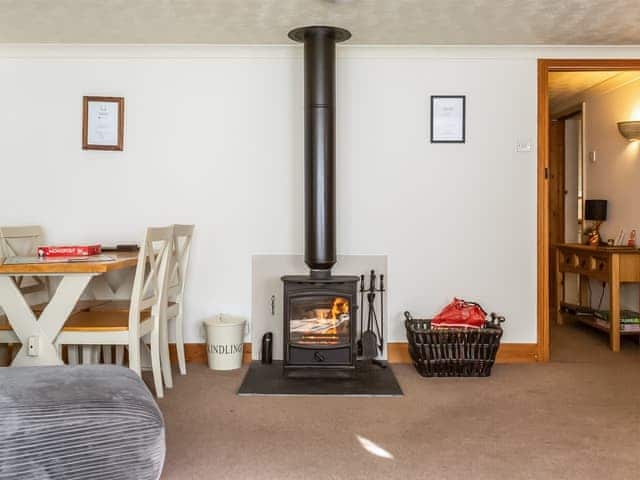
(614, 265)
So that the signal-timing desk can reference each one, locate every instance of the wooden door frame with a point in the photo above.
(545, 66)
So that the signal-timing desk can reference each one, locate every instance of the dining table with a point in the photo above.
(37, 335)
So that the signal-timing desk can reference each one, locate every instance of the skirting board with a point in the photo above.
(397, 352)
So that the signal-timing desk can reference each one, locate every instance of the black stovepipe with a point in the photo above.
(319, 144)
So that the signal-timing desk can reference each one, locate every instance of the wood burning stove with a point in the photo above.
(319, 309)
(320, 325)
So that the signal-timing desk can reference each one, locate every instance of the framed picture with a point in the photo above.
(448, 118)
(102, 123)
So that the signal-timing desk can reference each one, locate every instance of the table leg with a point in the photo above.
(46, 328)
(63, 302)
(559, 289)
(25, 325)
(614, 314)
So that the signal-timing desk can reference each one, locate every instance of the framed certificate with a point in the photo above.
(103, 123)
(447, 119)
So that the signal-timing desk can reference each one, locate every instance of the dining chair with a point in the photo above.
(146, 308)
(8, 338)
(175, 286)
(22, 241)
(176, 281)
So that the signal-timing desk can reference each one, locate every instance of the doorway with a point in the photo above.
(561, 140)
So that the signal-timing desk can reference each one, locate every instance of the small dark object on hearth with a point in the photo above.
(267, 348)
(453, 352)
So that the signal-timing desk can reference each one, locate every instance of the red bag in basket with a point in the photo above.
(460, 314)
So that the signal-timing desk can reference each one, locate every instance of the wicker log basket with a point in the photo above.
(453, 352)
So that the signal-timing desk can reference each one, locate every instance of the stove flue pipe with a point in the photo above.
(319, 144)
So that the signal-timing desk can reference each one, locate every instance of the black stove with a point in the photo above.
(320, 325)
(320, 309)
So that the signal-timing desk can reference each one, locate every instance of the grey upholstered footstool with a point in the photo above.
(84, 422)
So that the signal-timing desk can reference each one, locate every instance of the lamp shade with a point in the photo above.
(595, 210)
(630, 130)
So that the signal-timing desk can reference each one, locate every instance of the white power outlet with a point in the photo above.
(33, 346)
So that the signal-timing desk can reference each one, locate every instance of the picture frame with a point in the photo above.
(448, 119)
(102, 123)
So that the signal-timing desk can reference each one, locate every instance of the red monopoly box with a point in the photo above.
(69, 251)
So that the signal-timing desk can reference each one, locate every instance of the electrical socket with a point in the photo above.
(33, 346)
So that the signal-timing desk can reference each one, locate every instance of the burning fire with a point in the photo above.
(325, 323)
(340, 305)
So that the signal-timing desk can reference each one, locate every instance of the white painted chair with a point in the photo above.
(146, 308)
(182, 236)
(22, 241)
(7, 335)
(178, 263)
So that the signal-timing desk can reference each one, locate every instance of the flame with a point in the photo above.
(330, 318)
(340, 305)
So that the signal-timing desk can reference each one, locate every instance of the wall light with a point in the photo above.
(630, 130)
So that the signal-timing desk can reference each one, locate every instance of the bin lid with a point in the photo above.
(222, 321)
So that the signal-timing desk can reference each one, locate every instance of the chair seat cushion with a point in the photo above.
(81, 422)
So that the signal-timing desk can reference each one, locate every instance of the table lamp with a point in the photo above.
(596, 211)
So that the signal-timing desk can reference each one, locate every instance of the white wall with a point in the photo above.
(615, 176)
(214, 137)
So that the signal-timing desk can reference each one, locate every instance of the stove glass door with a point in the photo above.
(319, 320)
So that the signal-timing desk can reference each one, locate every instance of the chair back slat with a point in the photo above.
(151, 274)
(182, 239)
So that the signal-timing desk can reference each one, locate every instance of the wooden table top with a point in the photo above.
(599, 248)
(120, 260)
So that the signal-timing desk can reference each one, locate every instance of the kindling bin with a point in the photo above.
(225, 342)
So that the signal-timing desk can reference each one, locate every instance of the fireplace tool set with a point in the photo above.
(371, 342)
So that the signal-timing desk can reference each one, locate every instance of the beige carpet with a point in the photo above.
(577, 417)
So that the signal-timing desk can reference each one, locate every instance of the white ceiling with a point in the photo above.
(608, 22)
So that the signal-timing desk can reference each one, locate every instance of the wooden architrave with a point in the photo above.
(545, 66)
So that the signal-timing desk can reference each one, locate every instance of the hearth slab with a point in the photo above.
(369, 381)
